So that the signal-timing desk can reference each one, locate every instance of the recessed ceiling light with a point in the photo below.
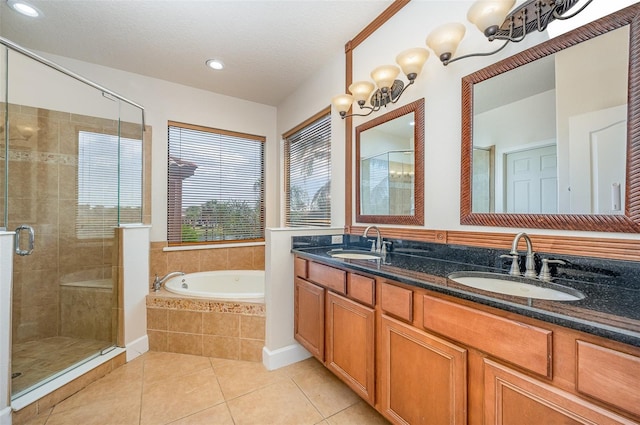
(24, 8)
(215, 64)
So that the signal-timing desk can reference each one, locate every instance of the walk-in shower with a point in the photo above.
(71, 172)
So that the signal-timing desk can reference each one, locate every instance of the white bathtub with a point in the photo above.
(223, 284)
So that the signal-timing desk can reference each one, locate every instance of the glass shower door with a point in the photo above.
(65, 144)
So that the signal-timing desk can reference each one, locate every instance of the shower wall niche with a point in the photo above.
(72, 172)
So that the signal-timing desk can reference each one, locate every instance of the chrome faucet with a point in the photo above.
(530, 266)
(159, 281)
(377, 245)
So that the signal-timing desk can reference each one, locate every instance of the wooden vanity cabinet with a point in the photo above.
(350, 344)
(420, 357)
(338, 331)
(511, 397)
(309, 317)
(423, 378)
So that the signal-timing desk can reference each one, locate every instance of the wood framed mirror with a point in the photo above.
(588, 187)
(389, 162)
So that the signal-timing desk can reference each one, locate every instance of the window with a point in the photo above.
(109, 183)
(215, 185)
(307, 155)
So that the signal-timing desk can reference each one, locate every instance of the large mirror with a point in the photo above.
(550, 136)
(389, 167)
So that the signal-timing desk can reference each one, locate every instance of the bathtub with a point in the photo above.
(223, 284)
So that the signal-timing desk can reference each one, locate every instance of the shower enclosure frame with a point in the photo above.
(5, 267)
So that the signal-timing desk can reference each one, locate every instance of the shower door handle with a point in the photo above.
(19, 230)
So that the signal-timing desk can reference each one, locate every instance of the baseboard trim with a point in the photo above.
(275, 359)
(5, 416)
(137, 347)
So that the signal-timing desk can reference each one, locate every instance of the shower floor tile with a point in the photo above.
(33, 361)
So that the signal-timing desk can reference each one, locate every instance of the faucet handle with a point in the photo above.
(515, 267)
(374, 247)
(545, 272)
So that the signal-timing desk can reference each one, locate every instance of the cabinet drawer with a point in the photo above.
(521, 344)
(334, 279)
(360, 288)
(608, 375)
(397, 301)
(300, 267)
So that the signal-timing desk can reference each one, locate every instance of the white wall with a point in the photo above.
(312, 97)
(441, 88)
(164, 101)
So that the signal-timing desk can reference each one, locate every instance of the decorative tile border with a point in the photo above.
(47, 157)
(164, 300)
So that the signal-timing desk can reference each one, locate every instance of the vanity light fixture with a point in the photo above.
(493, 18)
(389, 88)
(215, 64)
(24, 8)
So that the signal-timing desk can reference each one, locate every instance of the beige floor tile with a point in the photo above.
(178, 389)
(327, 393)
(123, 383)
(159, 366)
(302, 366)
(120, 411)
(218, 363)
(38, 420)
(239, 377)
(358, 414)
(180, 396)
(281, 403)
(218, 415)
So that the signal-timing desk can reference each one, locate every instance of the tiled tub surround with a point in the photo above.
(612, 288)
(204, 327)
(204, 260)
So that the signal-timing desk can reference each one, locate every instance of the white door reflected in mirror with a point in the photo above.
(561, 100)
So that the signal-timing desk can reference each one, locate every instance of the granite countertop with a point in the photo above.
(610, 308)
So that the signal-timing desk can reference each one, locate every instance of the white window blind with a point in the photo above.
(215, 185)
(308, 173)
(109, 184)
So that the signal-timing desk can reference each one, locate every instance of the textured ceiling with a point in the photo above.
(269, 47)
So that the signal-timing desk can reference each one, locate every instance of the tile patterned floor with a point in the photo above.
(35, 361)
(165, 388)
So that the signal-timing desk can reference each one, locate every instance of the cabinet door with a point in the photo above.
(512, 398)
(423, 378)
(350, 344)
(309, 317)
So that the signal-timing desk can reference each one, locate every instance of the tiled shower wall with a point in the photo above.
(43, 168)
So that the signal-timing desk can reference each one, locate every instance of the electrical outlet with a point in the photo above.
(336, 239)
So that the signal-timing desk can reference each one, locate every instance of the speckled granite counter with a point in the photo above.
(611, 307)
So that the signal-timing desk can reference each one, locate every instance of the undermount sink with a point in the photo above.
(354, 255)
(517, 286)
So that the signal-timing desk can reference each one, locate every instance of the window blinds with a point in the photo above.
(109, 184)
(308, 174)
(215, 185)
